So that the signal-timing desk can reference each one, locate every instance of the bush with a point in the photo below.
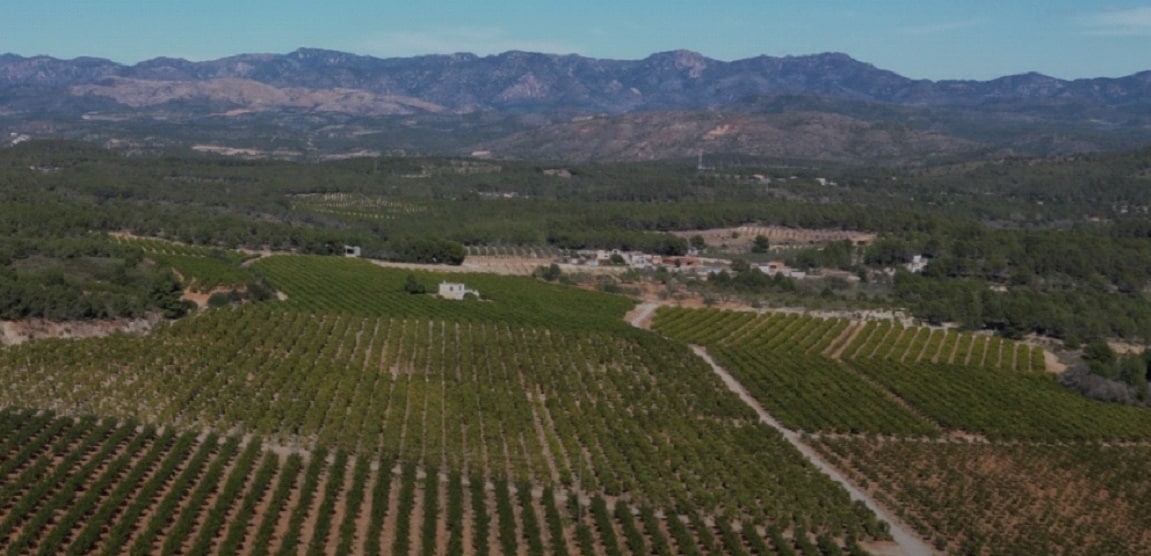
(219, 299)
(413, 286)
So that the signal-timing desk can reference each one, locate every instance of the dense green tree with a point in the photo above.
(413, 285)
(760, 244)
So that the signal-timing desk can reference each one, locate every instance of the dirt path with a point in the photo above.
(839, 344)
(640, 317)
(258, 255)
(906, 541)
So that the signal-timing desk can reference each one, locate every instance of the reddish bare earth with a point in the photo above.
(18, 332)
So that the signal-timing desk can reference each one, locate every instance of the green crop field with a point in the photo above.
(351, 416)
(823, 375)
(570, 400)
(356, 287)
(959, 433)
(223, 381)
(100, 486)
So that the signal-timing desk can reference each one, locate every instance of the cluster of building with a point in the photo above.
(689, 264)
(636, 260)
(780, 268)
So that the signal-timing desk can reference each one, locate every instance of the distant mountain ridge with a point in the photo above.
(532, 91)
(668, 80)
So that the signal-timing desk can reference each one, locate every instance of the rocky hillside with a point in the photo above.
(817, 136)
(322, 102)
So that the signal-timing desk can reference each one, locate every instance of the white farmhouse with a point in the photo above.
(455, 290)
(917, 264)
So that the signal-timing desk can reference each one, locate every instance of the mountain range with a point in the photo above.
(322, 103)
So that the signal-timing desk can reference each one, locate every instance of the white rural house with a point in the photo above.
(917, 264)
(455, 290)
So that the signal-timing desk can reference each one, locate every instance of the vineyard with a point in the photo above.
(829, 375)
(568, 400)
(889, 341)
(536, 252)
(1009, 499)
(356, 287)
(353, 205)
(607, 412)
(204, 274)
(842, 339)
(977, 448)
(201, 269)
(355, 417)
(89, 486)
(156, 246)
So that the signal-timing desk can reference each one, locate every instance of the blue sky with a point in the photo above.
(934, 39)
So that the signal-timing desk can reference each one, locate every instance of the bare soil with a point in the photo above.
(442, 533)
(388, 531)
(640, 316)
(467, 528)
(416, 519)
(162, 492)
(840, 344)
(284, 517)
(210, 502)
(1052, 363)
(18, 332)
(200, 298)
(308, 529)
(363, 518)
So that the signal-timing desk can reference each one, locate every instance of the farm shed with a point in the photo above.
(455, 290)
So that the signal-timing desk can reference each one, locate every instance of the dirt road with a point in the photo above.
(640, 317)
(906, 541)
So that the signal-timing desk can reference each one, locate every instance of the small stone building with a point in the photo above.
(455, 290)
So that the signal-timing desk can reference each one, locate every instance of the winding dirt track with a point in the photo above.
(906, 541)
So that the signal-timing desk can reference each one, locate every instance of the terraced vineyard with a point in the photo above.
(81, 486)
(573, 401)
